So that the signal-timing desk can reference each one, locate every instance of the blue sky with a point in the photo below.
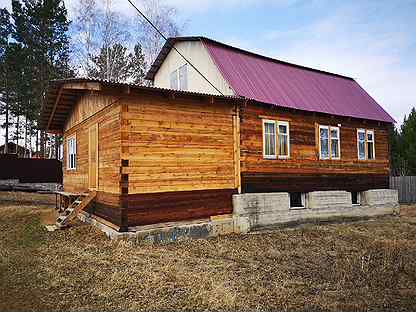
(371, 41)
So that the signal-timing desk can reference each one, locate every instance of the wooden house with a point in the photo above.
(181, 149)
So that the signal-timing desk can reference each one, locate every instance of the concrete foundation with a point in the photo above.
(163, 233)
(260, 210)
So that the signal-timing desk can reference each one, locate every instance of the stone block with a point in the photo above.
(255, 203)
(328, 199)
(380, 197)
(241, 224)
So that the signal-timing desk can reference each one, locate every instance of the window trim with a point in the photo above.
(264, 121)
(68, 163)
(360, 130)
(180, 87)
(339, 143)
(358, 199)
(366, 131)
(329, 128)
(177, 74)
(373, 141)
(329, 144)
(283, 123)
(302, 199)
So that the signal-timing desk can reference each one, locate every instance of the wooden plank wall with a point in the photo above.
(177, 144)
(179, 158)
(87, 106)
(109, 138)
(304, 171)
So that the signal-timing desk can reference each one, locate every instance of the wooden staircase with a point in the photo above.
(72, 210)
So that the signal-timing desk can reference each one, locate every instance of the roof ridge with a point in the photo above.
(195, 38)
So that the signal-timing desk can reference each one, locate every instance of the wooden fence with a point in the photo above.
(406, 186)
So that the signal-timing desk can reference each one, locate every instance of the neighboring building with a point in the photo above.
(13, 148)
(180, 150)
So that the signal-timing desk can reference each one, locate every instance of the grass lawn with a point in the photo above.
(361, 266)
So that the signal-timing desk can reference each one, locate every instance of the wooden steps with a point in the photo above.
(71, 212)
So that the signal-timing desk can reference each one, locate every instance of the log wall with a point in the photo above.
(304, 171)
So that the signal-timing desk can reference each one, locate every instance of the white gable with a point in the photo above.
(197, 54)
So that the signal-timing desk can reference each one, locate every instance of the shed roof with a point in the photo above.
(285, 84)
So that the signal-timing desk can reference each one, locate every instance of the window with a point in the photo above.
(335, 153)
(183, 77)
(297, 200)
(283, 142)
(269, 139)
(174, 80)
(329, 143)
(179, 78)
(365, 144)
(355, 198)
(370, 144)
(361, 143)
(72, 153)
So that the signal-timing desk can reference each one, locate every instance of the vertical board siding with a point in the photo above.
(406, 186)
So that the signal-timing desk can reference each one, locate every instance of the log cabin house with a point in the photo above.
(181, 149)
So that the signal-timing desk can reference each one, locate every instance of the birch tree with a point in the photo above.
(165, 18)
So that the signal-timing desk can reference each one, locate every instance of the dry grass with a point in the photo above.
(363, 266)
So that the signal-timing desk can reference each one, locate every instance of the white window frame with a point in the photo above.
(264, 139)
(366, 131)
(286, 124)
(358, 144)
(339, 143)
(374, 144)
(174, 74)
(329, 128)
(177, 73)
(72, 138)
(180, 86)
(329, 144)
(358, 199)
(302, 199)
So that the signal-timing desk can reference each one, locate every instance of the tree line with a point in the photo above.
(403, 147)
(40, 43)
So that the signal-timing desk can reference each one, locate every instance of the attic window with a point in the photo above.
(179, 78)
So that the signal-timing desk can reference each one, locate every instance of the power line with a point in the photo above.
(173, 47)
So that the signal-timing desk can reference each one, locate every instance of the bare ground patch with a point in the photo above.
(350, 267)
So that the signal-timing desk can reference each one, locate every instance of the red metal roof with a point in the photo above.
(288, 85)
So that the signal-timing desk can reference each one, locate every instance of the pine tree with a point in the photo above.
(116, 64)
(138, 65)
(408, 137)
(5, 33)
(41, 28)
